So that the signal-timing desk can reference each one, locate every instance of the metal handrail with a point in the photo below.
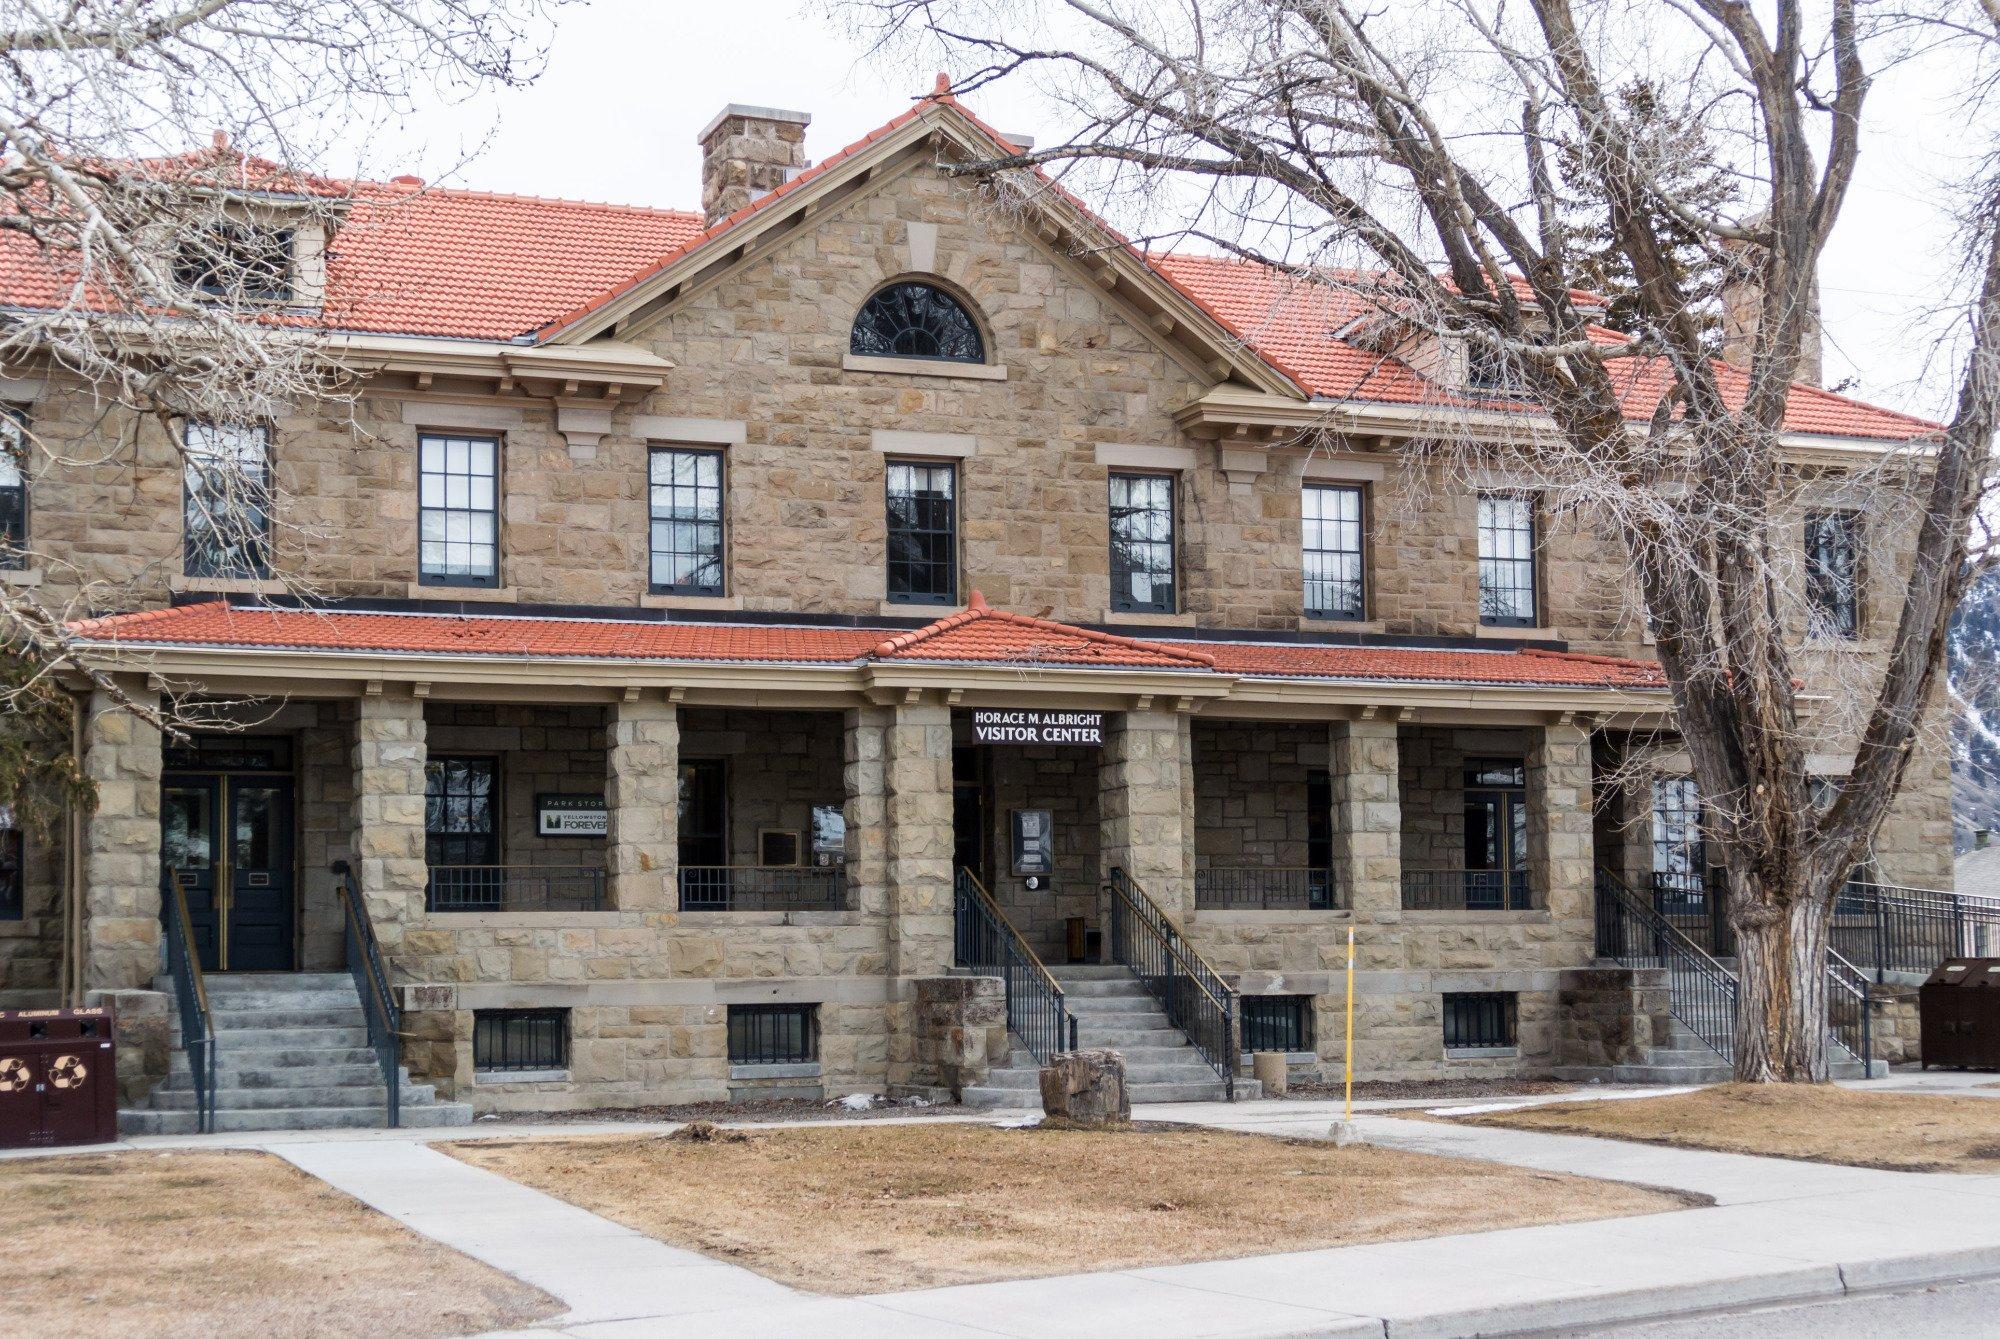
(1475, 890)
(1701, 992)
(475, 888)
(986, 942)
(191, 997)
(1888, 928)
(1851, 1023)
(763, 888)
(371, 981)
(1195, 997)
(1266, 888)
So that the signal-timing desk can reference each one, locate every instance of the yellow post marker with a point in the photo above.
(1347, 1054)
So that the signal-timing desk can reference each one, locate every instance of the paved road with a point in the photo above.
(1961, 1309)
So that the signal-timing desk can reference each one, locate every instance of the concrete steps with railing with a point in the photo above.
(291, 1054)
(1114, 1012)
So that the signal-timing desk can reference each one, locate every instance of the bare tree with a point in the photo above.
(168, 183)
(1402, 155)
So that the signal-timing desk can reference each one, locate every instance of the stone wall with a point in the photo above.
(1064, 781)
(961, 1030)
(1611, 1016)
(1434, 759)
(540, 750)
(1250, 791)
(778, 765)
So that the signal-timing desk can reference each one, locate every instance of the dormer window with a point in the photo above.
(916, 320)
(238, 262)
(1488, 372)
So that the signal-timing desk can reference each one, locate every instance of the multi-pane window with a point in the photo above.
(13, 489)
(1332, 527)
(1833, 573)
(461, 803)
(773, 1034)
(912, 320)
(226, 501)
(1277, 1022)
(1680, 864)
(237, 263)
(458, 517)
(1507, 559)
(923, 532)
(13, 892)
(686, 492)
(513, 1040)
(1477, 1020)
(1142, 543)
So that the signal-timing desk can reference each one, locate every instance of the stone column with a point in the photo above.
(389, 754)
(1559, 821)
(1143, 805)
(121, 845)
(866, 811)
(917, 797)
(642, 800)
(1365, 771)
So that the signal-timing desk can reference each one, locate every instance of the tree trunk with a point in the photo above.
(1781, 1032)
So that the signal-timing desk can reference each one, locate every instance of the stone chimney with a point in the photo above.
(747, 152)
(1743, 306)
(1982, 838)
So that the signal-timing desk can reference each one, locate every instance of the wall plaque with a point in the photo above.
(1006, 726)
(571, 816)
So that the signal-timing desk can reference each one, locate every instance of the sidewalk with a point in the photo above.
(1779, 1231)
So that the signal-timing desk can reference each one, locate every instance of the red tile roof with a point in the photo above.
(1294, 322)
(977, 635)
(981, 634)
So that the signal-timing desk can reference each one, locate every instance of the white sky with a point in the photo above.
(630, 82)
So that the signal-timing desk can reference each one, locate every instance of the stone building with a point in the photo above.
(710, 639)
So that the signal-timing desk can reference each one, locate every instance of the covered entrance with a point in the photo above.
(226, 834)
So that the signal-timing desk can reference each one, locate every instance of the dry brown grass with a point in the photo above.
(1911, 1132)
(881, 1208)
(219, 1245)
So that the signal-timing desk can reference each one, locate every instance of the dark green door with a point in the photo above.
(190, 842)
(260, 875)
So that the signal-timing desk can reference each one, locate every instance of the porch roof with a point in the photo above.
(977, 636)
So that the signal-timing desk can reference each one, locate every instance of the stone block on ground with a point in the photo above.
(1086, 1088)
(1268, 1068)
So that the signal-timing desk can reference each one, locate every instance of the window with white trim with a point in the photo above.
(1142, 543)
(458, 514)
(13, 489)
(226, 501)
(1507, 575)
(685, 491)
(1333, 529)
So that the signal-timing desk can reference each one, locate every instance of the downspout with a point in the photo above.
(72, 962)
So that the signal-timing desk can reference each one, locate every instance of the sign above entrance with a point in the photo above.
(1001, 726)
(571, 816)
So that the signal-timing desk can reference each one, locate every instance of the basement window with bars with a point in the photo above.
(519, 1041)
(773, 1034)
(1277, 1022)
(1479, 1020)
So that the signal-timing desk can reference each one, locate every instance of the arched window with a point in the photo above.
(912, 320)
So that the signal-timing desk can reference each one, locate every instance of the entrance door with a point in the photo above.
(970, 825)
(1496, 836)
(229, 838)
(706, 881)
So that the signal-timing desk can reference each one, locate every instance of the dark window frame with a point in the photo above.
(1275, 1018)
(439, 840)
(203, 552)
(927, 579)
(905, 317)
(1358, 554)
(14, 512)
(427, 575)
(1492, 562)
(759, 1034)
(1834, 573)
(1123, 601)
(1679, 847)
(13, 869)
(697, 522)
(544, 1039)
(1480, 1020)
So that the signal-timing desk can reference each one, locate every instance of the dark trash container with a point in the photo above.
(58, 1078)
(1959, 1014)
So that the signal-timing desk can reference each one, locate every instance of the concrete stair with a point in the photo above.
(1114, 1012)
(1686, 1060)
(291, 1053)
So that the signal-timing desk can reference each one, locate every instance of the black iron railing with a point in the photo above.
(1701, 990)
(1469, 890)
(985, 942)
(1265, 888)
(191, 998)
(1884, 928)
(371, 982)
(1849, 1009)
(1195, 997)
(1696, 903)
(514, 888)
(763, 888)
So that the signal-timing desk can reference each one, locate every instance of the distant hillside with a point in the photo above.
(1974, 653)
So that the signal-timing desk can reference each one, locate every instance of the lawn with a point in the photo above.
(219, 1245)
(887, 1207)
(1911, 1132)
